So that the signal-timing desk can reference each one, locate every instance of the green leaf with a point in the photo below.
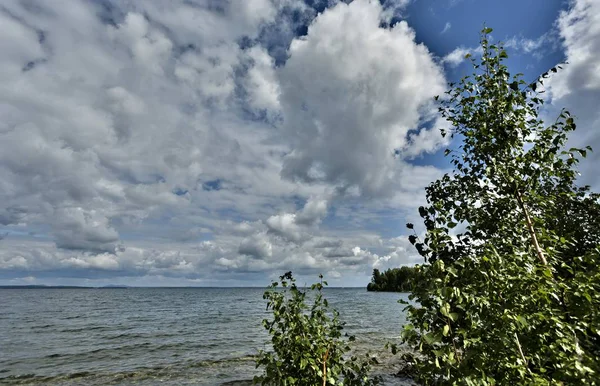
(522, 321)
(431, 338)
(445, 309)
(412, 239)
(446, 330)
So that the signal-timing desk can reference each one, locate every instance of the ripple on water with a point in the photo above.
(200, 336)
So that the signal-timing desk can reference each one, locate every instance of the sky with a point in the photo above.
(222, 143)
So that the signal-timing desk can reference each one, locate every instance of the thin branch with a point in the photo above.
(521, 352)
(534, 239)
(325, 367)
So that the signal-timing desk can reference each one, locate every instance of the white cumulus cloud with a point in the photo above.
(350, 93)
(577, 86)
(148, 140)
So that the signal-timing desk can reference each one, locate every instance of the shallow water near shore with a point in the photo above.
(166, 336)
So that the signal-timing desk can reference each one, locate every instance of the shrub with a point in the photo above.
(308, 346)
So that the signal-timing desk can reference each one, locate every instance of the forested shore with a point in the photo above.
(392, 280)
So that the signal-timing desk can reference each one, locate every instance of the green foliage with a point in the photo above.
(308, 347)
(515, 298)
(392, 280)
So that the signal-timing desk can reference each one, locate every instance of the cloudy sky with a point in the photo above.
(221, 143)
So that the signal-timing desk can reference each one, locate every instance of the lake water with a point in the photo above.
(166, 336)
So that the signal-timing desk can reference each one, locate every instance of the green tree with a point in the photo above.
(515, 298)
(392, 280)
(375, 281)
(308, 346)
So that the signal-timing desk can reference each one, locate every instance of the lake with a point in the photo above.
(166, 336)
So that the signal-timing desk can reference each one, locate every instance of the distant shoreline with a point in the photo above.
(38, 286)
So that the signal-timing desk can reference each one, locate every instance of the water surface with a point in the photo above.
(167, 336)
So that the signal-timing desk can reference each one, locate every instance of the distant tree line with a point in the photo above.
(392, 280)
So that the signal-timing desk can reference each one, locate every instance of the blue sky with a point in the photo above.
(213, 143)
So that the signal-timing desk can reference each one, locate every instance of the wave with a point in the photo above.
(173, 372)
